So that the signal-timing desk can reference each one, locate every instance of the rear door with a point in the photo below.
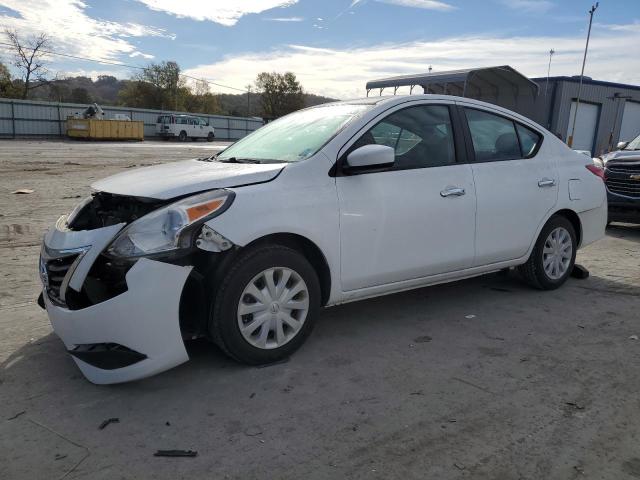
(516, 185)
(416, 218)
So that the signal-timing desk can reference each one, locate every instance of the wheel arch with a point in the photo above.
(308, 248)
(575, 221)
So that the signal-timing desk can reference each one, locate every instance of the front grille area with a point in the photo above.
(623, 179)
(626, 169)
(56, 271)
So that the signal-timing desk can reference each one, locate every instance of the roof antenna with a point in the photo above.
(430, 68)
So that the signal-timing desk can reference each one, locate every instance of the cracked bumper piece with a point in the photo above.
(133, 335)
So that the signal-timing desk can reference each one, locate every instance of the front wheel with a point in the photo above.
(266, 305)
(553, 256)
(210, 137)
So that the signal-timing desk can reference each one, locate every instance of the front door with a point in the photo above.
(414, 219)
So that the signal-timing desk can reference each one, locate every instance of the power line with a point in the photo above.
(120, 64)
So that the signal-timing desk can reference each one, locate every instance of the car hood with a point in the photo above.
(176, 179)
(622, 156)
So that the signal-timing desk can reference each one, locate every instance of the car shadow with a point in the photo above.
(627, 231)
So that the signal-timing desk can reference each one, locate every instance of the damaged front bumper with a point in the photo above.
(130, 336)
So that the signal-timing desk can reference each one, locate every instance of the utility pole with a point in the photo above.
(584, 60)
(551, 52)
(248, 100)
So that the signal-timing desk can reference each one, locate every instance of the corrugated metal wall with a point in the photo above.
(563, 92)
(24, 118)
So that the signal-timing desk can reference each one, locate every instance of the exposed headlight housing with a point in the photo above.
(171, 227)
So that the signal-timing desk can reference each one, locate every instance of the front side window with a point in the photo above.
(494, 137)
(421, 136)
(294, 137)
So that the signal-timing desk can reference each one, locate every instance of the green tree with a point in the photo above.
(80, 95)
(7, 87)
(280, 94)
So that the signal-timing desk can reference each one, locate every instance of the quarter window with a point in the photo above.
(529, 140)
(421, 136)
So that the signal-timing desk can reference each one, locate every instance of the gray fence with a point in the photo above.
(31, 118)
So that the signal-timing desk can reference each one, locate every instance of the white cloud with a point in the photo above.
(72, 31)
(529, 6)
(284, 19)
(224, 12)
(425, 4)
(343, 73)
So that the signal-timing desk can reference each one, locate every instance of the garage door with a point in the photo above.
(586, 125)
(630, 128)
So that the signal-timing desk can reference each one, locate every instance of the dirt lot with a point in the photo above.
(480, 379)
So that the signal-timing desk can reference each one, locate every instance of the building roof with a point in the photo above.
(486, 81)
(587, 80)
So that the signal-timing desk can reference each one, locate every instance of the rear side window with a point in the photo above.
(494, 137)
(529, 140)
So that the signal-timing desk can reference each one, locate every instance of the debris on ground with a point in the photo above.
(59, 456)
(175, 453)
(575, 405)
(23, 191)
(459, 466)
(168, 424)
(633, 337)
(252, 395)
(108, 421)
(579, 272)
(423, 339)
(17, 415)
(253, 431)
(469, 316)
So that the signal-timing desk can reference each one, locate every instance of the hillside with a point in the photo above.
(106, 88)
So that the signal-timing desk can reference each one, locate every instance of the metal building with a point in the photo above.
(608, 112)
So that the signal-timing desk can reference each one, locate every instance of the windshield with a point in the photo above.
(634, 144)
(294, 137)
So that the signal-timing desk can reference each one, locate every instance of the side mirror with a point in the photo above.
(371, 156)
(621, 145)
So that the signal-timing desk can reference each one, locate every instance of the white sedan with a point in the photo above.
(327, 205)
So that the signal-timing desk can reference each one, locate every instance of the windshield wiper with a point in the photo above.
(239, 160)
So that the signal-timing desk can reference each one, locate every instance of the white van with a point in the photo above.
(183, 127)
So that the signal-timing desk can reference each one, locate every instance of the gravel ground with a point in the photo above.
(480, 379)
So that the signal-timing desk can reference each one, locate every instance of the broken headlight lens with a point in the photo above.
(170, 227)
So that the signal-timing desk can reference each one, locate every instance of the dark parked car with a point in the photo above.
(622, 178)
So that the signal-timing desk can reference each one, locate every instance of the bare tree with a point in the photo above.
(29, 58)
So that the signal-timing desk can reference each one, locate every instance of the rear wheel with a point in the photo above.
(266, 305)
(183, 136)
(553, 256)
(210, 137)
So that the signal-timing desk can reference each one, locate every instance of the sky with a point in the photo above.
(333, 46)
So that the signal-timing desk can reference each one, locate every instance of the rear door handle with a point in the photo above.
(452, 192)
(546, 182)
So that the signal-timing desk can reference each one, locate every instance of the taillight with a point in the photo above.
(596, 170)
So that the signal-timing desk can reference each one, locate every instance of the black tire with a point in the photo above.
(183, 136)
(210, 137)
(223, 321)
(533, 271)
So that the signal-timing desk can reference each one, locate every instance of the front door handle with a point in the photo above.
(547, 182)
(452, 192)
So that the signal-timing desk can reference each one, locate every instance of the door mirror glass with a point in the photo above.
(371, 156)
(621, 145)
